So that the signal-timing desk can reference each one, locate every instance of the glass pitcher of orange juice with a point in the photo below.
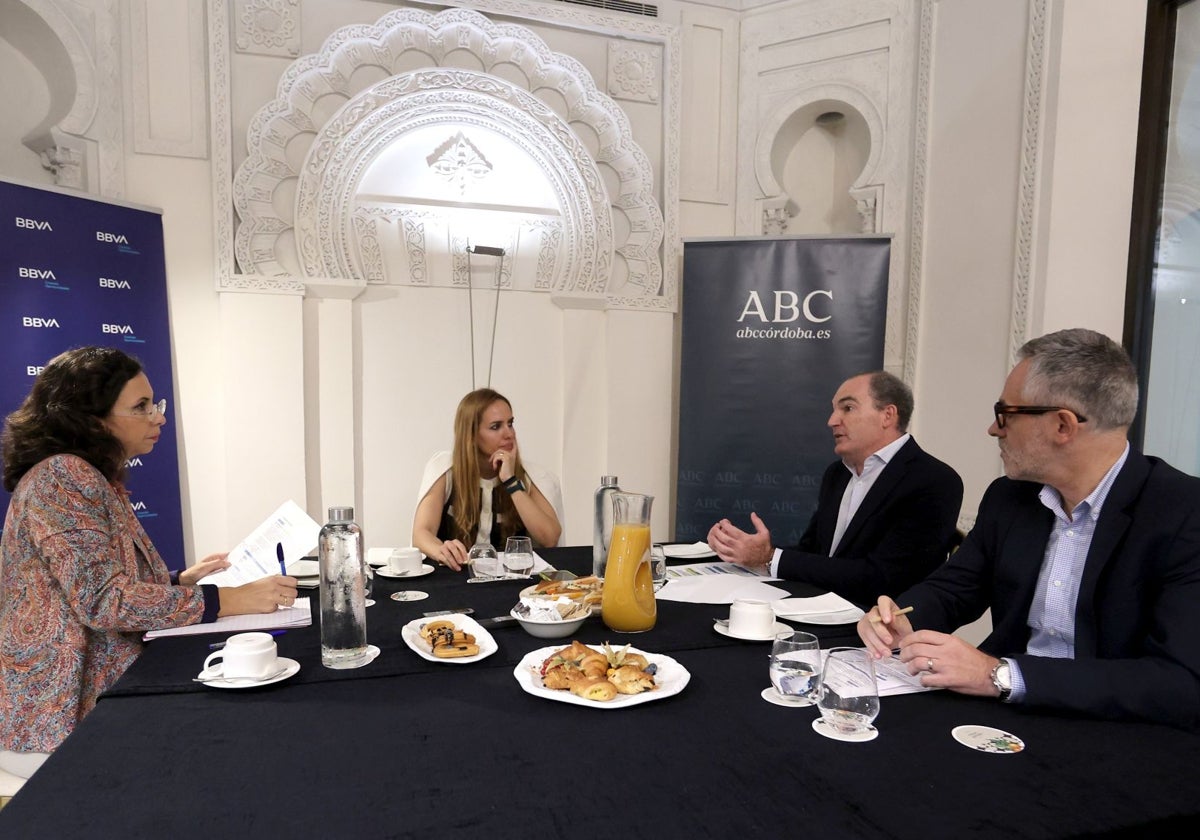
(628, 605)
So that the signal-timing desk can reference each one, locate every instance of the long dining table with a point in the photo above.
(405, 747)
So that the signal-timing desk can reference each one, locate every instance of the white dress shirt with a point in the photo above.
(856, 490)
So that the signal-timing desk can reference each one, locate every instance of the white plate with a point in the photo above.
(694, 550)
(291, 668)
(425, 569)
(670, 679)
(304, 568)
(379, 556)
(844, 617)
(411, 633)
(780, 627)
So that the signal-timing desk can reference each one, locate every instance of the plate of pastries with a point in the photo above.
(454, 639)
(601, 676)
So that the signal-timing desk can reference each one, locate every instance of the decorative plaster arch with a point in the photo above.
(532, 89)
(866, 191)
(372, 120)
(80, 139)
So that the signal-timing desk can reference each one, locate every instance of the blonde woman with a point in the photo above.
(481, 492)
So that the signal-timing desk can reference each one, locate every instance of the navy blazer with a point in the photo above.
(1137, 616)
(900, 533)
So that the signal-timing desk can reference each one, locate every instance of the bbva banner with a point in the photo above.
(75, 271)
(770, 328)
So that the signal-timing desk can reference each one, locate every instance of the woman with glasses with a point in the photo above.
(80, 581)
(482, 492)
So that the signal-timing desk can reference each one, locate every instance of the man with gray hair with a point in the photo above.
(886, 511)
(1087, 553)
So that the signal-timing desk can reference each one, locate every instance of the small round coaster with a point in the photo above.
(409, 595)
(772, 696)
(987, 739)
(822, 728)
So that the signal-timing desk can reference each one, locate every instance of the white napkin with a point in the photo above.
(827, 604)
(718, 589)
(698, 549)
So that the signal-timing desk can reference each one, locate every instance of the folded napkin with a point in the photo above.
(698, 549)
(827, 604)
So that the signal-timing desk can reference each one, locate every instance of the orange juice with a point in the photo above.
(628, 605)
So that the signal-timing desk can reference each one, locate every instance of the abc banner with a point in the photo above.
(77, 271)
(771, 327)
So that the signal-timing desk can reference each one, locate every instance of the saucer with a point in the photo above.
(822, 728)
(780, 627)
(290, 668)
(384, 571)
(772, 696)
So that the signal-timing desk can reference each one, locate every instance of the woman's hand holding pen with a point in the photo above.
(264, 595)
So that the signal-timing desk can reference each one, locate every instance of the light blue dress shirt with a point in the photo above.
(1052, 613)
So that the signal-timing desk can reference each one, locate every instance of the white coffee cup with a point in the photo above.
(751, 619)
(246, 656)
(404, 561)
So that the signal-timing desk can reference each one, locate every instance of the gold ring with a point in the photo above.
(929, 665)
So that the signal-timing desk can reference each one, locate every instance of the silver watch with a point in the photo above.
(1002, 679)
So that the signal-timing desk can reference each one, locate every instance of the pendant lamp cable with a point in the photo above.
(491, 252)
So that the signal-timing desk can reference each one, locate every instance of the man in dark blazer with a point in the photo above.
(1087, 553)
(886, 511)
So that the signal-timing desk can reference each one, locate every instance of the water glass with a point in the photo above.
(849, 696)
(796, 667)
(485, 563)
(518, 555)
(658, 566)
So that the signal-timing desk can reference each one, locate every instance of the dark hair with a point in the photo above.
(888, 389)
(64, 413)
(1087, 372)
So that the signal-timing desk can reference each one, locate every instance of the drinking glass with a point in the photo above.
(518, 555)
(485, 563)
(658, 566)
(368, 582)
(796, 668)
(849, 697)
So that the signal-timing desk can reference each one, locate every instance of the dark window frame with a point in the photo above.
(1154, 116)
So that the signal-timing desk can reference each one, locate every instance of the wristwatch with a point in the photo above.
(1002, 679)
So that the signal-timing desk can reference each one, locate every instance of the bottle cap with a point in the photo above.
(341, 514)
(608, 481)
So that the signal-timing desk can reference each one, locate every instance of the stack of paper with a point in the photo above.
(297, 615)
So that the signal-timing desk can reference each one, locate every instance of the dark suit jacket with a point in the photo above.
(901, 532)
(1137, 617)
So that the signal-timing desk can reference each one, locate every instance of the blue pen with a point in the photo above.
(219, 645)
(279, 554)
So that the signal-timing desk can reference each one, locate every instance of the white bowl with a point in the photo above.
(550, 629)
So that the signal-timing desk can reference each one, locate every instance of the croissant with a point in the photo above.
(599, 689)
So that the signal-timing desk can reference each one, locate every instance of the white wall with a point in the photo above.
(601, 399)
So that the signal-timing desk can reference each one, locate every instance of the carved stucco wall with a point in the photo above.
(76, 48)
(611, 245)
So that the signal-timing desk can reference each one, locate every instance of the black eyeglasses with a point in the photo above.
(1001, 410)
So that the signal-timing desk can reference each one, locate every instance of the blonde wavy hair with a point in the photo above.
(465, 472)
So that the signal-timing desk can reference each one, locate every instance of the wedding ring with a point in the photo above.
(929, 665)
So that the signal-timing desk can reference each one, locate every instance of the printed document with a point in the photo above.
(255, 557)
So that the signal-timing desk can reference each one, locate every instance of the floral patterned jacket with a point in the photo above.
(80, 583)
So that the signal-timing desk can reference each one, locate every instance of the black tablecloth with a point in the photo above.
(463, 752)
(679, 627)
